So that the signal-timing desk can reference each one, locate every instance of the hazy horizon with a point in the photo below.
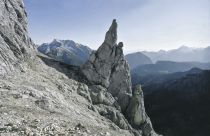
(149, 25)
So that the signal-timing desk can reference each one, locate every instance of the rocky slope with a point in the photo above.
(66, 51)
(137, 59)
(44, 101)
(44, 97)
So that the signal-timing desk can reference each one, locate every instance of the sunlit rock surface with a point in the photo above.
(15, 45)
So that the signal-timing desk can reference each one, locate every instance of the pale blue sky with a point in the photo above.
(142, 24)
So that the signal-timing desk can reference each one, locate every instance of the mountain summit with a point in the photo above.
(66, 51)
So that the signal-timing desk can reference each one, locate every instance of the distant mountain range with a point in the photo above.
(66, 51)
(156, 79)
(166, 67)
(181, 54)
(137, 59)
(73, 53)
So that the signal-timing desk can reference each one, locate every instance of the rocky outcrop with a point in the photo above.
(136, 114)
(15, 45)
(135, 111)
(110, 86)
(108, 68)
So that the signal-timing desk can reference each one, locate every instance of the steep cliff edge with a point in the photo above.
(15, 44)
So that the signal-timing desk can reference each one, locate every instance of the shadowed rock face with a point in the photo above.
(15, 45)
(108, 70)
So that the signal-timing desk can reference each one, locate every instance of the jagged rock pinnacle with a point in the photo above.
(111, 35)
(104, 62)
(107, 67)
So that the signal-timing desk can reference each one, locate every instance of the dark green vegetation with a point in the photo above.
(178, 103)
(164, 70)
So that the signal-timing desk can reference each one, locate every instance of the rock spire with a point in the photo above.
(108, 70)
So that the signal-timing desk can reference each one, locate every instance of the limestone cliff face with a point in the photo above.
(15, 45)
(109, 71)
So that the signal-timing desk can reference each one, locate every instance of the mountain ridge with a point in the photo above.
(66, 51)
(168, 67)
(137, 59)
(183, 53)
